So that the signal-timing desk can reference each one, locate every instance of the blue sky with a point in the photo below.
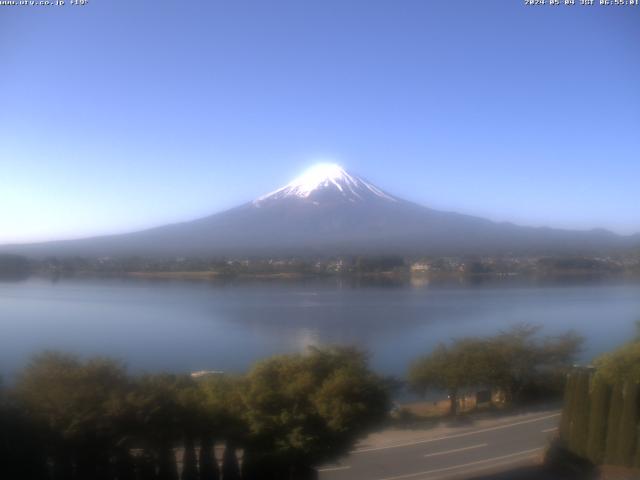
(121, 115)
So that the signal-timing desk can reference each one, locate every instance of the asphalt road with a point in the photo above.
(461, 453)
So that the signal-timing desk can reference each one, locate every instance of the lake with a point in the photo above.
(187, 326)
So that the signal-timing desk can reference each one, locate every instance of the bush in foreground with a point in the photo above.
(73, 420)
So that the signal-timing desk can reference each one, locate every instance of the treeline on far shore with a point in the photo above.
(393, 266)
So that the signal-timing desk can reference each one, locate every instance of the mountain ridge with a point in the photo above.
(329, 211)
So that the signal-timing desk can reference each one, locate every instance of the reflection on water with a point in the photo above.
(187, 326)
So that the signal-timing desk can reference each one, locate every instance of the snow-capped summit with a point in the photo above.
(325, 181)
(328, 211)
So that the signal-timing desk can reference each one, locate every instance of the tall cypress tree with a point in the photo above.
(167, 468)
(123, 467)
(250, 466)
(86, 460)
(613, 424)
(579, 425)
(189, 462)
(22, 449)
(628, 425)
(230, 467)
(598, 412)
(145, 466)
(208, 464)
(304, 472)
(260, 466)
(567, 409)
(62, 463)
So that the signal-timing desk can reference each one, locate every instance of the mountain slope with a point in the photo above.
(328, 211)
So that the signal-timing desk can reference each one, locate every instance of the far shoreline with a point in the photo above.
(395, 279)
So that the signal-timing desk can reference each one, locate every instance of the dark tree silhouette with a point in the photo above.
(599, 408)
(230, 467)
(208, 464)
(189, 461)
(613, 424)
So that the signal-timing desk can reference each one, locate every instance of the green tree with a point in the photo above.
(230, 466)
(513, 361)
(618, 368)
(145, 465)
(207, 462)
(189, 460)
(223, 418)
(81, 403)
(578, 428)
(161, 413)
(166, 458)
(124, 464)
(257, 465)
(193, 418)
(628, 431)
(613, 424)
(621, 365)
(568, 406)
(599, 408)
(307, 409)
(521, 358)
(223, 409)
(452, 368)
(22, 447)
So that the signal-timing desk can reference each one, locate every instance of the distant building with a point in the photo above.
(418, 267)
(206, 373)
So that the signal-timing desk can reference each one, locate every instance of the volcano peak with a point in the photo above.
(324, 179)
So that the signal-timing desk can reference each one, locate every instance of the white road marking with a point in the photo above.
(550, 430)
(463, 465)
(474, 432)
(474, 471)
(435, 454)
(333, 469)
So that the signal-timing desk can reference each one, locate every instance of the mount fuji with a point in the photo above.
(326, 183)
(329, 211)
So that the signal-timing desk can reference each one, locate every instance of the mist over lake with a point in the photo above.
(190, 326)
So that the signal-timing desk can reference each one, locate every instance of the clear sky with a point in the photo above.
(127, 114)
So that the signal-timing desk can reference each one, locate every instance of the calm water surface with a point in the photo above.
(182, 326)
